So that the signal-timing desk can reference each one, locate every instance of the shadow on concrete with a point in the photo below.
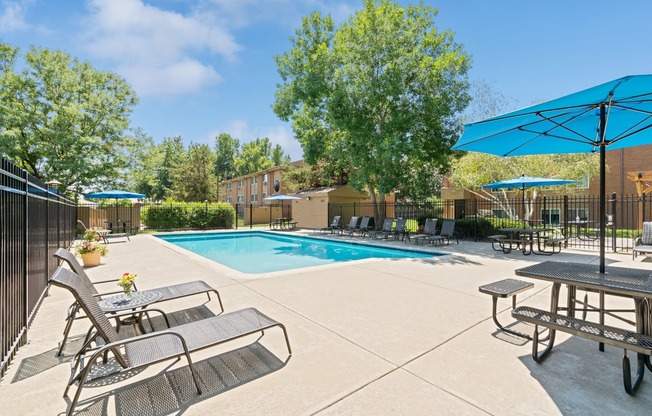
(173, 392)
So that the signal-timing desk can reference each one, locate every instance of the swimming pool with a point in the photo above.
(260, 252)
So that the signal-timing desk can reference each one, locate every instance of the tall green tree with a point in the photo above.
(279, 158)
(62, 119)
(383, 91)
(227, 150)
(170, 153)
(254, 156)
(193, 176)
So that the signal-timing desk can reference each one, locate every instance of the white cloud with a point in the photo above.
(12, 16)
(160, 52)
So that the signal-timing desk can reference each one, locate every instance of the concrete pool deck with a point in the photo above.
(372, 337)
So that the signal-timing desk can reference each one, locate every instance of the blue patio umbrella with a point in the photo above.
(523, 182)
(614, 115)
(114, 194)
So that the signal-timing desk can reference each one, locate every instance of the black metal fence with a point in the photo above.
(575, 216)
(34, 222)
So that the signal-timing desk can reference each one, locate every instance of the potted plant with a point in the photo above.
(90, 250)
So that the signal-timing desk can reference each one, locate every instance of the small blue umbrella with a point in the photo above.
(526, 182)
(614, 115)
(115, 194)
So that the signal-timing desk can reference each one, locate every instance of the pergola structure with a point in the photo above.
(643, 180)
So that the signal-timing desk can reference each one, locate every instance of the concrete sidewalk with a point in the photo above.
(372, 337)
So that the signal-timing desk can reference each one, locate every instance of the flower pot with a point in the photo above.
(91, 259)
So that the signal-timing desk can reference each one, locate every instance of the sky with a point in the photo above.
(205, 67)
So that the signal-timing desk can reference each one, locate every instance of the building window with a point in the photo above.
(229, 186)
(240, 183)
(550, 216)
(265, 179)
(229, 199)
(240, 199)
(254, 198)
(583, 183)
(581, 214)
(254, 180)
(264, 194)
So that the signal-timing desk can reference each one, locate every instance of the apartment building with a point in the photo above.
(253, 188)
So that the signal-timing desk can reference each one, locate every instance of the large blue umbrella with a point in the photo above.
(527, 182)
(114, 194)
(613, 115)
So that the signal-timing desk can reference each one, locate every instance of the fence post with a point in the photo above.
(475, 219)
(251, 216)
(614, 206)
(237, 210)
(565, 213)
(25, 259)
(642, 210)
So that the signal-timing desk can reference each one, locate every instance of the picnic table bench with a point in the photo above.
(632, 283)
(504, 289)
(617, 337)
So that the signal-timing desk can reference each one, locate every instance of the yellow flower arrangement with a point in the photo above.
(127, 282)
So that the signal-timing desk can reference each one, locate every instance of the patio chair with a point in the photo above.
(446, 233)
(400, 229)
(335, 225)
(143, 350)
(429, 230)
(168, 292)
(363, 229)
(351, 228)
(386, 228)
(643, 244)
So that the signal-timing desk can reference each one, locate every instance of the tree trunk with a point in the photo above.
(377, 202)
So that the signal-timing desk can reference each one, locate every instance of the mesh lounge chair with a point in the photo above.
(335, 225)
(143, 350)
(446, 233)
(388, 223)
(399, 229)
(351, 228)
(429, 230)
(168, 292)
(643, 244)
(363, 229)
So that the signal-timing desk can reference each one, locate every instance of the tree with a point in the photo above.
(254, 156)
(383, 92)
(279, 158)
(62, 119)
(145, 162)
(173, 154)
(193, 177)
(227, 150)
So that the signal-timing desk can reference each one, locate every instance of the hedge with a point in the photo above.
(188, 215)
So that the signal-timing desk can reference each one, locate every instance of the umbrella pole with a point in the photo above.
(603, 214)
(523, 203)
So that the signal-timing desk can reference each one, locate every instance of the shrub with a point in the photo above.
(188, 215)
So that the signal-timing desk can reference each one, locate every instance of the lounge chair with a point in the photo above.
(168, 292)
(446, 233)
(143, 350)
(351, 228)
(643, 244)
(429, 230)
(363, 229)
(335, 226)
(400, 230)
(386, 228)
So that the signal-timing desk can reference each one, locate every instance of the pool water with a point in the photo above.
(260, 252)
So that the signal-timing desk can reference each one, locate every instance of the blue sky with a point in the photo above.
(202, 67)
